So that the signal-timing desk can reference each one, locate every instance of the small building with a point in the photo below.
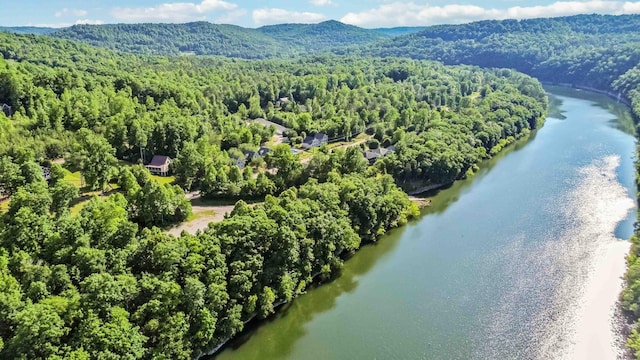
(240, 162)
(6, 109)
(159, 165)
(263, 151)
(374, 154)
(279, 128)
(316, 140)
(249, 155)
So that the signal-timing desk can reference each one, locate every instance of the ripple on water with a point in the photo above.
(563, 288)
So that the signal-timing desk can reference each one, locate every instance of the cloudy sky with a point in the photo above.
(371, 13)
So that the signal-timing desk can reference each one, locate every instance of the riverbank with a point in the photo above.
(507, 255)
(598, 335)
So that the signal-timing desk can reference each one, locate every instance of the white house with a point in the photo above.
(159, 165)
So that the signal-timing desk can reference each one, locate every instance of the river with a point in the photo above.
(521, 261)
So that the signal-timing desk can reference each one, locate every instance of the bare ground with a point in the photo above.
(203, 216)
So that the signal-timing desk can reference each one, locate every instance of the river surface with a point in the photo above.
(521, 261)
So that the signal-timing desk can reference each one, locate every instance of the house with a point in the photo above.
(374, 154)
(249, 155)
(159, 165)
(240, 162)
(316, 140)
(263, 151)
(279, 128)
(6, 109)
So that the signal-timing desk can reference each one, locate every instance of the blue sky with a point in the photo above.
(372, 13)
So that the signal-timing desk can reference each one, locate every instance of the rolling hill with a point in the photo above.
(36, 30)
(203, 38)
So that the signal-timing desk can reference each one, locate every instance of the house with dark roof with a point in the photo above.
(374, 154)
(263, 151)
(239, 161)
(6, 109)
(316, 140)
(249, 155)
(159, 165)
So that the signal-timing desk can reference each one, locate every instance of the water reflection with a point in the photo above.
(289, 321)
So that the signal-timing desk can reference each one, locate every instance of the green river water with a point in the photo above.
(493, 269)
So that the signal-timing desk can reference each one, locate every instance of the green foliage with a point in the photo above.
(203, 38)
(106, 283)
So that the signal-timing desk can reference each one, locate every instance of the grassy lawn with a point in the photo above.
(163, 179)
(75, 209)
(201, 214)
(73, 177)
(4, 206)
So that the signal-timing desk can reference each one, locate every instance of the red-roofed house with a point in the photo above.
(159, 165)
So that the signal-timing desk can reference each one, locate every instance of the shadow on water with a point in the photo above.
(555, 107)
(289, 320)
(443, 197)
(622, 119)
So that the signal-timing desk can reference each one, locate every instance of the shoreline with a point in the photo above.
(421, 202)
(599, 319)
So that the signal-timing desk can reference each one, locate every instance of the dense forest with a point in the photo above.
(28, 30)
(106, 282)
(585, 50)
(203, 38)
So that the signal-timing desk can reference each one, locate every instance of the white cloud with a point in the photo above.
(279, 16)
(50, 25)
(73, 12)
(418, 14)
(173, 12)
(89, 22)
(322, 2)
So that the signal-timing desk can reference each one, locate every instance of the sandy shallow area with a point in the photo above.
(597, 334)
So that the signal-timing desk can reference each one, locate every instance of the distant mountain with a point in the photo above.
(322, 36)
(586, 50)
(203, 38)
(200, 38)
(28, 30)
(398, 31)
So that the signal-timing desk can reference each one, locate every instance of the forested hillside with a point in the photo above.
(203, 38)
(104, 282)
(588, 50)
(322, 36)
(27, 30)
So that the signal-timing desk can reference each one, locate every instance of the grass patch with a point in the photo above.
(201, 214)
(4, 205)
(163, 179)
(73, 177)
(76, 208)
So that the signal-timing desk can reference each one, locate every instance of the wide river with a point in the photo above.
(521, 261)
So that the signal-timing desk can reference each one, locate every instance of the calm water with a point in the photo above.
(493, 269)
